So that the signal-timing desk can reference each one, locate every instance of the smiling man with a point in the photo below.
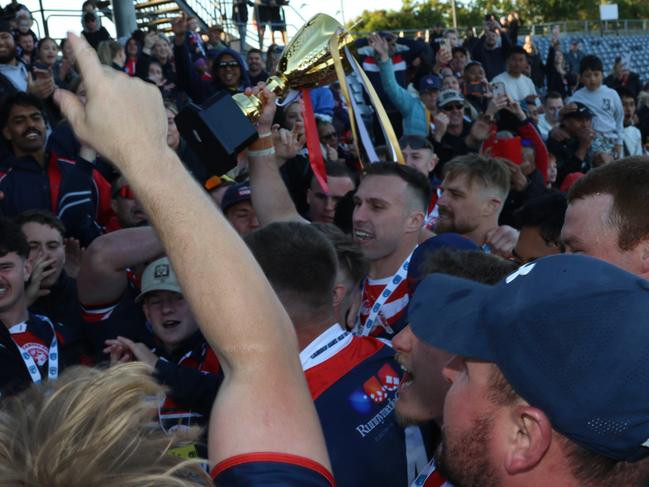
(390, 207)
(33, 348)
(32, 178)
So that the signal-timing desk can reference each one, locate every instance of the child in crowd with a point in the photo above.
(605, 103)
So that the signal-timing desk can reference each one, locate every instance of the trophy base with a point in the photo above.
(217, 131)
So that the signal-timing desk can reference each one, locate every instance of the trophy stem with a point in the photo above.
(251, 106)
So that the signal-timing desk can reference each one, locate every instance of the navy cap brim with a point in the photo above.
(445, 312)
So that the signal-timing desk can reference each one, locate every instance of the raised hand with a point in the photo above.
(111, 122)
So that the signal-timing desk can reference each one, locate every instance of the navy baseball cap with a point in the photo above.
(236, 194)
(582, 111)
(432, 245)
(570, 335)
(429, 83)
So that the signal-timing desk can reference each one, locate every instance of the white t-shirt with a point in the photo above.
(633, 141)
(517, 88)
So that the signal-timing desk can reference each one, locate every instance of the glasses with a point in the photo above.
(454, 106)
(329, 136)
(229, 64)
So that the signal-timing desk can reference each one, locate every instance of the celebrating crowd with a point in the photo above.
(367, 322)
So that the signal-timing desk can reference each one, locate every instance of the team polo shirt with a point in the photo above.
(34, 336)
(123, 317)
(430, 477)
(390, 319)
(353, 382)
(193, 375)
(271, 470)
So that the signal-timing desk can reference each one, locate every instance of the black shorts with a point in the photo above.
(266, 15)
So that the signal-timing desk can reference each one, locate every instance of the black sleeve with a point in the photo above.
(77, 204)
(187, 79)
(189, 387)
(535, 187)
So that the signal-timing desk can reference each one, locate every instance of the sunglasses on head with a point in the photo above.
(228, 64)
(452, 106)
(414, 142)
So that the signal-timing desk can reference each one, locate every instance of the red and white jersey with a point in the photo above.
(391, 311)
(430, 477)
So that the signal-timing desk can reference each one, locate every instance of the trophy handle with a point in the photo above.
(251, 106)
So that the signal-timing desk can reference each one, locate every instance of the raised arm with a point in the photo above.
(270, 197)
(102, 277)
(264, 404)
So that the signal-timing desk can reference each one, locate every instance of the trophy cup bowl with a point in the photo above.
(305, 63)
(224, 126)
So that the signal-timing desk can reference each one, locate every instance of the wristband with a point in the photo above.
(265, 134)
(261, 153)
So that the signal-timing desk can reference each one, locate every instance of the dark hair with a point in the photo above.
(255, 50)
(459, 49)
(337, 169)
(415, 142)
(43, 40)
(546, 212)
(21, 99)
(298, 260)
(417, 182)
(516, 49)
(350, 256)
(20, 34)
(468, 264)
(553, 94)
(590, 62)
(12, 239)
(44, 217)
(625, 93)
(627, 181)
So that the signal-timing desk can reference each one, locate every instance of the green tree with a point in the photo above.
(426, 13)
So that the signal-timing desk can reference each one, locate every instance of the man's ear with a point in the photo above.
(6, 134)
(27, 269)
(339, 292)
(529, 439)
(415, 221)
(643, 250)
(491, 205)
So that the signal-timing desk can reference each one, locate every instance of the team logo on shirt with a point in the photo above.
(37, 351)
(606, 105)
(376, 389)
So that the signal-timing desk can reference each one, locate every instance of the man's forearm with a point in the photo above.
(216, 254)
(270, 197)
(101, 277)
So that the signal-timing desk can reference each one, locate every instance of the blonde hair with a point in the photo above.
(92, 428)
(107, 50)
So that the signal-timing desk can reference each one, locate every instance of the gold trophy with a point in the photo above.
(306, 62)
(224, 125)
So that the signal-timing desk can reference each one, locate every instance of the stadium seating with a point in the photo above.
(607, 48)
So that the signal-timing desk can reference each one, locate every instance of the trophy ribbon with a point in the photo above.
(384, 121)
(342, 79)
(313, 142)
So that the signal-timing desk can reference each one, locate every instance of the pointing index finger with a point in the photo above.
(86, 57)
